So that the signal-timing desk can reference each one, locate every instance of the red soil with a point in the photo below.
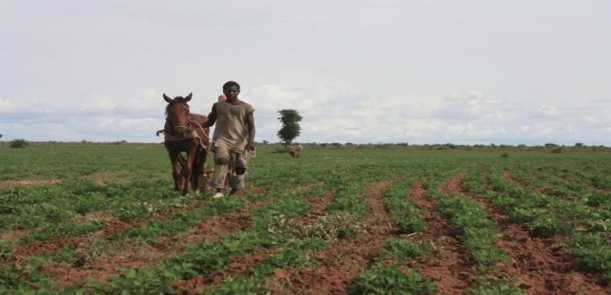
(541, 266)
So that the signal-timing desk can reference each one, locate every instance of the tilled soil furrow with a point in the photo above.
(571, 177)
(332, 268)
(539, 265)
(241, 266)
(111, 227)
(127, 255)
(449, 266)
(510, 177)
(484, 174)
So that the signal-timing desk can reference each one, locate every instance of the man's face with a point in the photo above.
(231, 92)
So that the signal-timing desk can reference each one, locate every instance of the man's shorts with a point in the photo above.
(235, 159)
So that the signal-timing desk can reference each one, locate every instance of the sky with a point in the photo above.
(382, 71)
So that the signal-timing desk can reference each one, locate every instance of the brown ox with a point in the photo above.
(183, 133)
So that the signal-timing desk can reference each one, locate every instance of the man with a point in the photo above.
(233, 139)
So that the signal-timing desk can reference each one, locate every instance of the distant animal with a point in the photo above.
(295, 151)
(184, 133)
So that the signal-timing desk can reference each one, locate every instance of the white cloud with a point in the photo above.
(97, 104)
(7, 106)
(548, 111)
(373, 71)
(472, 105)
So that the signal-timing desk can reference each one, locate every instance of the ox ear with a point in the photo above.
(188, 97)
(167, 98)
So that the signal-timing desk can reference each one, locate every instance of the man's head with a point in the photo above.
(231, 90)
(231, 83)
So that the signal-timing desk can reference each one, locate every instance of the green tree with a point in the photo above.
(290, 125)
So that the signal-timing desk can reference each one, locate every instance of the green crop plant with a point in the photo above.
(282, 257)
(239, 285)
(402, 249)
(402, 212)
(381, 279)
(593, 253)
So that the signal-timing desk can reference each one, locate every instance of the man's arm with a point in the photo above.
(211, 118)
(250, 125)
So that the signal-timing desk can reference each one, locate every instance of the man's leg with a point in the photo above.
(221, 154)
(237, 178)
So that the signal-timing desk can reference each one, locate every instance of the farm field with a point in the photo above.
(103, 219)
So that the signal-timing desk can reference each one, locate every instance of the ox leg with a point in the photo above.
(186, 172)
(197, 173)
(185, 179)
(176, 171)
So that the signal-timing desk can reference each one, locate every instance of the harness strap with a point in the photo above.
(193, 134)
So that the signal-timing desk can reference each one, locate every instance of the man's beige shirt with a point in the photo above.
(231, 129)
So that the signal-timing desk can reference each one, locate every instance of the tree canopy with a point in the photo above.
(290, 125)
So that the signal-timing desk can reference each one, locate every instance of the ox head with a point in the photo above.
(177, 114)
